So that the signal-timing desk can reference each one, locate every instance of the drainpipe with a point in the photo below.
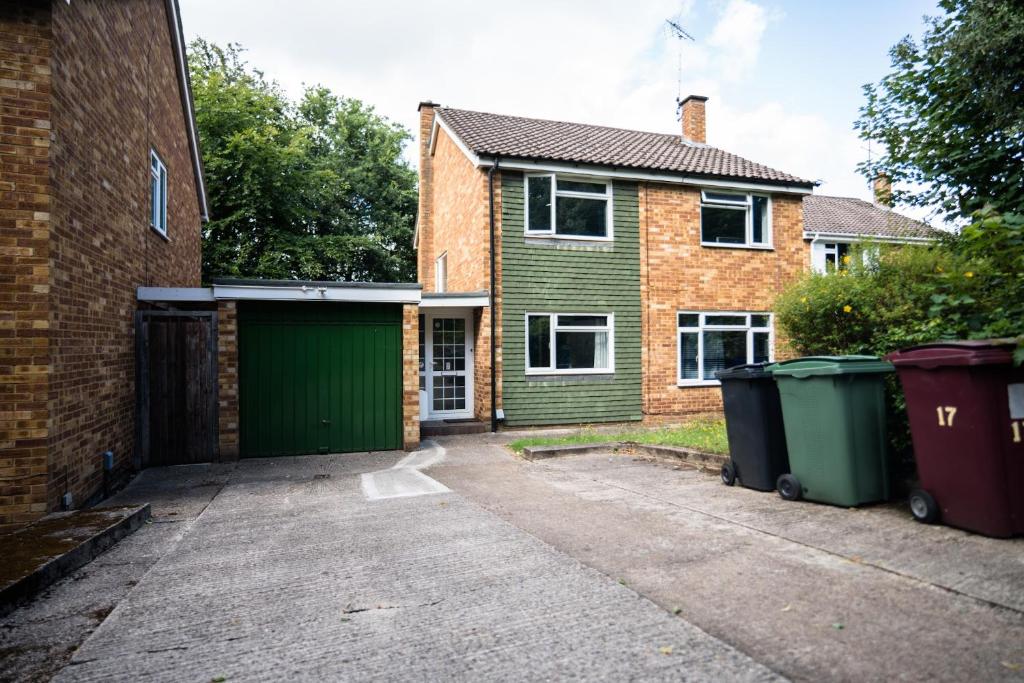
(494, 313)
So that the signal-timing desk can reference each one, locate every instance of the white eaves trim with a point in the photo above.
(851, 237)
(378, 295)
(456, 301)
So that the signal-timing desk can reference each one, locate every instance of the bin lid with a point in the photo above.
(812, 366)
(747, 371)
(963, 352)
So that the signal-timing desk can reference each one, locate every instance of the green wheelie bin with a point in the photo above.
(833, 409)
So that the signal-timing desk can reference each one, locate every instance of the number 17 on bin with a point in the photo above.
(946, 415)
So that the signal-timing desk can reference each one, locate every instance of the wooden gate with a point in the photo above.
(176, 375)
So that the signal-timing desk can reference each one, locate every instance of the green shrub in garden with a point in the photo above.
(968, 286)
(888, 297)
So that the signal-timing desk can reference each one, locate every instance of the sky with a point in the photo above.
(783, 77)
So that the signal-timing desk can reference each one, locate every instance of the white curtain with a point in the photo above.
(600, 349)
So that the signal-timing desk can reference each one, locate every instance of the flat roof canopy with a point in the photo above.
(287, 290)
(455, 300)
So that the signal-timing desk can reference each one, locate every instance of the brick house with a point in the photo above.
(101, 192)
(629, 266)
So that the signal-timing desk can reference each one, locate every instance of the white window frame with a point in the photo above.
(552, 232)
(158, 173)
(441, 273)
(554, 327)
(825, 247)
(747, 205)
(703, 327)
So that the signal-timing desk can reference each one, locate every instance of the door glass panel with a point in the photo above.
(423, 355)
(448, 364)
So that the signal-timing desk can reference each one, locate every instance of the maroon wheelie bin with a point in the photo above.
(965, 401)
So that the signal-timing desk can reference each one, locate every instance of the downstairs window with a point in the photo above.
(569, 344)
(709, 342)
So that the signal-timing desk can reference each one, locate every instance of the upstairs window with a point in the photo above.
(732, 219)
(572, 208)
(157, 194)
(569, 344)
(709, 342)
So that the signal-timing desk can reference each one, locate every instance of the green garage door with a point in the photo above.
(319, 378)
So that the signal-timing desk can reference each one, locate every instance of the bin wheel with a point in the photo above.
(923, 506)
(789, 487)
(728, 474)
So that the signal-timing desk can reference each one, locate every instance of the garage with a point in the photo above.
(319, 377)
(293, 367)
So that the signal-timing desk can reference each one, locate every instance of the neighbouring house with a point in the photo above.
(627, 267)
(834, 224)
(101, 191)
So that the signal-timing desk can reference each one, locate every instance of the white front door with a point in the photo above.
(447, 362)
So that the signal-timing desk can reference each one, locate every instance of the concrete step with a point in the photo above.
(452, 427)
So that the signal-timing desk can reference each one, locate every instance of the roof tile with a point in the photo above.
(849, 216)
(513, 136)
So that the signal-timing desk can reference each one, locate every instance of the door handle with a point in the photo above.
(326, 422)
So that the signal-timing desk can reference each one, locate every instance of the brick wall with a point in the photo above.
(410, 377)
(677, 273)
(460, 218)
(113, 94)
(454, 195)
(25, 205)
(227, 379)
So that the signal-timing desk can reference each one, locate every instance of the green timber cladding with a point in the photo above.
(319, 378)
(541, 275)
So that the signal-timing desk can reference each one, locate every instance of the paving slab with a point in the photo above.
(289, 573)
(814, 592)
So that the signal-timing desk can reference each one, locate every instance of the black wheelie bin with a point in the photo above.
(753, 423)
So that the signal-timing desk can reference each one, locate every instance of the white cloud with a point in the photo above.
(736, 38)
(604, 61)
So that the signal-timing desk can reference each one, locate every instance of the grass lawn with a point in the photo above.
(702, 435)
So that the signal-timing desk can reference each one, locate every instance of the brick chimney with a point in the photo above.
(694, 129)
(883, 190)
(425, 211)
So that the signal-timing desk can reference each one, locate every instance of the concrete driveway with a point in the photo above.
(812, 591)
(290, 571)
(469, 563)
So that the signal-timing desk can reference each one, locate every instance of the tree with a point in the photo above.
(315, 190)
(950, 115)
